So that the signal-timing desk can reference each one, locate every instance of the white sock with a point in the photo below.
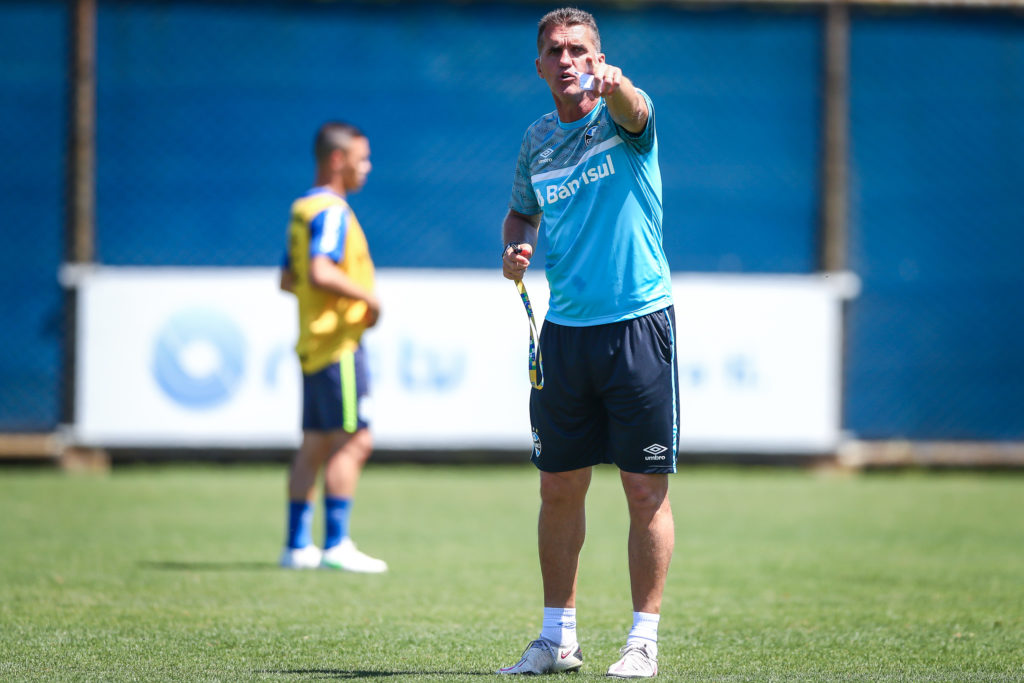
(645, 630)
(559, 625)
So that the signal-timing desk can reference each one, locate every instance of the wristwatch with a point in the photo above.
(516, 247)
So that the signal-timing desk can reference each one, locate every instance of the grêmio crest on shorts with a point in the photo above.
(598, 187)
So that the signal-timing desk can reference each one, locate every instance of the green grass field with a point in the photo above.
(168, 573)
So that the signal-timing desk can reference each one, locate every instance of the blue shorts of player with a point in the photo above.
(610, 396)
(331, 396)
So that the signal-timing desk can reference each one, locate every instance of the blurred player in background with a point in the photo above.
(328, 268)
(588, 176)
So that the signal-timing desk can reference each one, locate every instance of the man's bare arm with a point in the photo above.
(626, 105)
(521, 229)
(324, 274)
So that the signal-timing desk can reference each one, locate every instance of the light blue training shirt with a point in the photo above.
(599, 188)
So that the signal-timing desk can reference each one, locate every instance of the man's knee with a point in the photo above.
(363, 442)
(354, 447)
(645, 491)
(564, 488)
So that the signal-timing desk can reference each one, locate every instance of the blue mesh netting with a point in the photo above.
(206, 110)
(33, 57)
(209, 111)
(935, 339)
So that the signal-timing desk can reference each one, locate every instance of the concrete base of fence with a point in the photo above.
(52, 449)
(30, 446)
(892, 454)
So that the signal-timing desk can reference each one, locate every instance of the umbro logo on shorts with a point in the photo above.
(656, 450)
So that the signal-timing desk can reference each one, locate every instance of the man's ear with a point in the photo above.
(536, 63)
(339, 159)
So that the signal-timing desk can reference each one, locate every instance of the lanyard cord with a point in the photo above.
(536, 367)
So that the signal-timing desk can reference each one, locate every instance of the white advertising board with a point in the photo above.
(203, 358)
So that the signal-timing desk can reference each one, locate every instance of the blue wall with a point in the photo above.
(936, 339)
(33, 58)
(207, 109)
(198, 163)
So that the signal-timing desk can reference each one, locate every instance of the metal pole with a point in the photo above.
(834, 258)
(79, 231)
(82, 133)
(835, 197)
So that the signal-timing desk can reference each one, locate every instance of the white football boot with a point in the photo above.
(543, 657)
(638, 660)
(346, 557)
(300, 558)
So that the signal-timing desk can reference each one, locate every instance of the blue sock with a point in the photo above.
(300, 523)
(336, 512)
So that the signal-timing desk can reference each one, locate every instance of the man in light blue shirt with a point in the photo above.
(588, 177)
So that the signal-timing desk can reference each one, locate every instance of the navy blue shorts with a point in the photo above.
(610, 396)
(335, 397)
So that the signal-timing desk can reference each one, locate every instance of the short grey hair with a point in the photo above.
(334, 135)
(568, 16)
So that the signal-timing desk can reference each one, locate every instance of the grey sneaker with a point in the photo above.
(543, 657)
(638, 660)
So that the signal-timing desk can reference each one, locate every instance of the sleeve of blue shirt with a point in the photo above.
(523, 199)
(327, 233)
(643, 141)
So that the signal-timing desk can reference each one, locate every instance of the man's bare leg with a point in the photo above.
(651, 538)
(349, 453)
(560, 532)
(306, 463)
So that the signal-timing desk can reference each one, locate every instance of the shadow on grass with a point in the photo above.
(353, 674)
(176, 566)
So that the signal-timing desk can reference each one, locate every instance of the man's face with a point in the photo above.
(563, 53)
(355, 164)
